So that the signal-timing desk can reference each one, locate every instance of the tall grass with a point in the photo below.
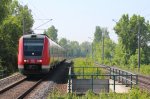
(88, 65)
(144, 69)
(135, 93)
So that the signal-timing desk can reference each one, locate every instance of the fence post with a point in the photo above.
(92, 83)
(131, 81)
(113, 73)
(126, 79)
(110, 72)
(97, 72)
(114, 82)
(136, 79)
(83, 72)
(122, 76)
(119, 76)
(116, 74)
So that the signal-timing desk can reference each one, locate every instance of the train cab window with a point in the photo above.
(33, 47)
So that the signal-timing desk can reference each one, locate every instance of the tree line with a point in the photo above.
(73, 48)
(12, 15)
(125, 52)
(16, 19)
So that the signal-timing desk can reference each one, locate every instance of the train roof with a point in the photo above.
(41, 36)
(34, 36)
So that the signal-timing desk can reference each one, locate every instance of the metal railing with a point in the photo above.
(126, 78)
(122, 78)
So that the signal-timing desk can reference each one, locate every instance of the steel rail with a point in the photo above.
(12, 85)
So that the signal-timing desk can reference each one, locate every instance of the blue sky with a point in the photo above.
(77, 19)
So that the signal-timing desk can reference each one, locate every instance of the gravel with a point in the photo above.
(14, 92)
(10, 79)
(57, 82)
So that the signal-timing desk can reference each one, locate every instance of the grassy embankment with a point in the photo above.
(135, 93)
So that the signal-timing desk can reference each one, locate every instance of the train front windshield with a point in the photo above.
(33, 47)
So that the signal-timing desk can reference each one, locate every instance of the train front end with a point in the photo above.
(33, 54)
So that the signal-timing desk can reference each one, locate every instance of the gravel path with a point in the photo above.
(14, 92)
(10, 79)
(57, 82)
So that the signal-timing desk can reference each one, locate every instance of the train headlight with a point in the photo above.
(39, 61)
(25, 61)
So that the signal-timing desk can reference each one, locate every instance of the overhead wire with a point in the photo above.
(34, 12)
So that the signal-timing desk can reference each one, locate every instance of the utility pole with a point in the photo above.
(23, 22)
(103, 46)
(139, 45)
(23, 25)
(92, 47)
(92, 50)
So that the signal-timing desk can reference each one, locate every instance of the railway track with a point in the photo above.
(35, 88)
(143, 81)
(10, 79)
(20, 89)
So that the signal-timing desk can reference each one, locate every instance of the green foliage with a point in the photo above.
(82, 62)
(109, 47)
(10, 31)
(52, 33)
(89, 94)
(88, 65)
(145, 69)
(1, 64)
(119, 56)
(63, 42)
(4, 9)
(127, 30)
(135, 93)
(22, 13)
(74, 49)
(133, 61)
(85, 49)
(98, 34)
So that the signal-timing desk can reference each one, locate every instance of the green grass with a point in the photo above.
(133, 94)
(144, 69)
(88, 65)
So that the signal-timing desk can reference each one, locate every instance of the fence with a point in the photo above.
(125, 78)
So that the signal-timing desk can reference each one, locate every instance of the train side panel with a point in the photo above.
(46, 56)
(37, 54)
(20, 55)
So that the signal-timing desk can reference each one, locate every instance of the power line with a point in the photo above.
(43, 24)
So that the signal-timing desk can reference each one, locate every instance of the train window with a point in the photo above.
(33, 47)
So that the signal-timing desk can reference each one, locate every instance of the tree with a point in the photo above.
(4, 9)
(98, 34)
(52, 33)
(74, 48)
(23, 13)
(10, 31)
(86, 48)
(103, 46)
(63, 42)
(127, 30)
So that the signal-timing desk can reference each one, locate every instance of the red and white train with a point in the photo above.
(37, 54)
